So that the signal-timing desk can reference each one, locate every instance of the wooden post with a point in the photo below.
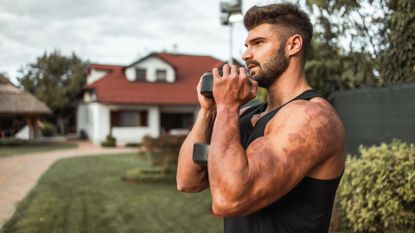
(33, 129)
(29, 125)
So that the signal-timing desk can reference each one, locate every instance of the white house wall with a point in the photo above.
(151, 64)
(95, 119)
(101, 119)
(83, 120)
(95, 75)
(126, 135)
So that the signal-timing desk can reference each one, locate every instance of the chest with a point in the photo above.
(253, 126)
(255, 118)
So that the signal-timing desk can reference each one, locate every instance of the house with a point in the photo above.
(19, 111)
(152, 96)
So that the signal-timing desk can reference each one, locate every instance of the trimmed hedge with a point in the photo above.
(377, 191)
(109, 142)
(48, 129)
(162, 154)
(11, 142)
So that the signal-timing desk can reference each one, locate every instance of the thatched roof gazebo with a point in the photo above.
(15, 103)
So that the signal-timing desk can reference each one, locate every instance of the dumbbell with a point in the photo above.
(206, 87)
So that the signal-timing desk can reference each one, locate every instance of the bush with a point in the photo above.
(83, 135)
(377, 192)
(166, 143)
(133, 144)
(109, 142)
(14, 142)
(48, 129)
(162, 153)
(163, 150)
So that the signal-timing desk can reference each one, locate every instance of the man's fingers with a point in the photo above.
(234, 71)
(242, 72)
(226, 70)
(254, 88)
(243, 75)
(216, 75)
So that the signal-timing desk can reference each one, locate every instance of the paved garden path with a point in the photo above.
(20, 173)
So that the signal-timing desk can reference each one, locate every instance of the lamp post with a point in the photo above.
(231, 12)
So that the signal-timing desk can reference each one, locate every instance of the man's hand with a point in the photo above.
(205, 102)
(234, 88)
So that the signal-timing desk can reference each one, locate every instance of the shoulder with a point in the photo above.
(316, 111)
(314, 123)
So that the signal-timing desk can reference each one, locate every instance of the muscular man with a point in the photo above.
(273, 167)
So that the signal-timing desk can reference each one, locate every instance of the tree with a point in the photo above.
(398, 60)
(56, 80)
(348, 39)
(361, 43)
(329, 69)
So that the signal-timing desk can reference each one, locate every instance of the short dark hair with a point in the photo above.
(282, 14)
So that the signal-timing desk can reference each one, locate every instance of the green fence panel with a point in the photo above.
(375, 115)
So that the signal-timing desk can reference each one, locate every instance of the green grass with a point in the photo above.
(87, 195)
(19, 150)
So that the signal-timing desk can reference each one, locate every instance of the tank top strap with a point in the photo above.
(259, 128)
(306, 95)
(253, 109)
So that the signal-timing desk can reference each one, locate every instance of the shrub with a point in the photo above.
(109, 142)
(83, 135)
(162, 153)
(167, 143)
(48, 129)
(377, 192)
(133, 144)
(14, 142)
(164, 149)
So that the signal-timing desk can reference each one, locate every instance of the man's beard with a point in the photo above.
(272, 68)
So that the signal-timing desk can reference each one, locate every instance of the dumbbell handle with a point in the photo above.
(200, 153)
(206, 87)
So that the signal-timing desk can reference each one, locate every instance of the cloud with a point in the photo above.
(109, 31)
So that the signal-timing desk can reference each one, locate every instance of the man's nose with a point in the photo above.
(247, 55)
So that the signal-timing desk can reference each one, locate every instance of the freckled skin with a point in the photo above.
(305, 138)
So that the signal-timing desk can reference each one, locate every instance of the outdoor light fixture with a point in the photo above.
(231, 12)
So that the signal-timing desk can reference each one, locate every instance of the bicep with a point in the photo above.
(275, 167)
(285, 155)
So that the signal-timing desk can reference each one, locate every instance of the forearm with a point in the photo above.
(228, 163)
(192, 177)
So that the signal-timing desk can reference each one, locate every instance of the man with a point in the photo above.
(273, 167)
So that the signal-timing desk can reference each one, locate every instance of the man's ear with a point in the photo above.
(294, 45)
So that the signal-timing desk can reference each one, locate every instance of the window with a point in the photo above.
(140, 74)
(129, 118)
(161, 75)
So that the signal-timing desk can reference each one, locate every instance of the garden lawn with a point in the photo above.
(88, 195)
(24, 149)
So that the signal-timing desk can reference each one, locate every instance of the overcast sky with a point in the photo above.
(111, 31)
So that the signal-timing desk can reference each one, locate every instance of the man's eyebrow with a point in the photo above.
(254, 40)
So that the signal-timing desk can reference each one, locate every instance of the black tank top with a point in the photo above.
(306, 208)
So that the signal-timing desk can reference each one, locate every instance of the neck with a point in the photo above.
(290, 84)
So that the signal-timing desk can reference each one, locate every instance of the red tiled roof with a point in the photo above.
(104, 67)
(115, 88)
